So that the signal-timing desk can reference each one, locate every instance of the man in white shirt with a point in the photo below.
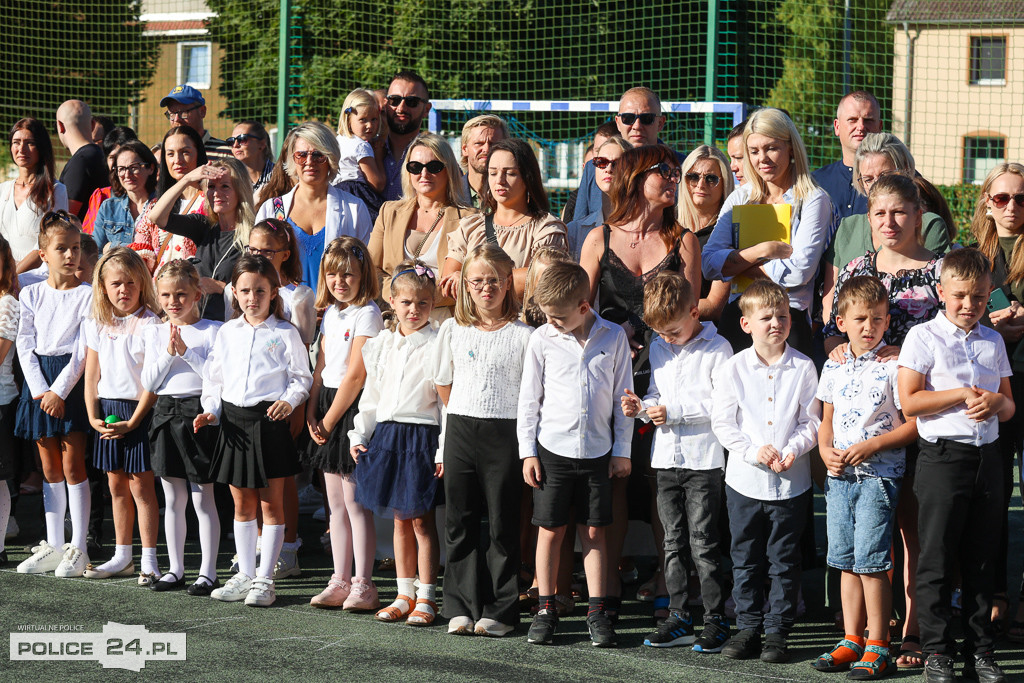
(573, 438)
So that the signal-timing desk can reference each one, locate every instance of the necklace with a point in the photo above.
(638, 236)
(419, 247)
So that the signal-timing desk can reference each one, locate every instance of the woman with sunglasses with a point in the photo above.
(133, 187)
(24, 200)
(708, 181)
(517, 218)
(317, 211)
(605, 158)
(418, 225)
(776, 169)
(250, 144)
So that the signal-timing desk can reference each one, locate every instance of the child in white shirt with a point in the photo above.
(361, 135)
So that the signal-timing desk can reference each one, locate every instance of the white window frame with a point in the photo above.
(205, 85)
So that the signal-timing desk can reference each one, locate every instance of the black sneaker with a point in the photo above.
(3, 553)
(93, 546)
(775, 650)
(939, 669)
(983, 668)
(713, 637)
(601, 632)
(675, 630)
(542, 630)
(744, 645)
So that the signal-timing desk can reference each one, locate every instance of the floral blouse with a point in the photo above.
(178, 247)
(913, 295)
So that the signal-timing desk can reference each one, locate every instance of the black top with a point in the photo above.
(216, 253)
(85, 172)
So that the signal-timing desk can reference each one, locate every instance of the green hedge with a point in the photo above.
(962, 200)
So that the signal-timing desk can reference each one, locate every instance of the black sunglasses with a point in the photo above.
(628, 119)
(667, 171)
(602, 162)
(243, 138)
(1003, 198)
(433, 167)
(411, 100)
(710, 178)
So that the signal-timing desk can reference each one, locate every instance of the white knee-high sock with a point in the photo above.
(79, 503)
(245, 546)
(55, 505)
(176, 497)
(209, 528)
(273, 538)
(5, 511)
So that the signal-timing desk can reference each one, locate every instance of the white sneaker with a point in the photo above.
(73, 563)
(287, 564)
(262, 593)
(45, 559)
(492, 628)
(12, 528)
(236, 588)
(309, 500)
(461, 626)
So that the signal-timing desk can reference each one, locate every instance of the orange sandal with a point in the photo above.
(392, 613)
(423, 617)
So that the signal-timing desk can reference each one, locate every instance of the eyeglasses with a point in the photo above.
(628, 119)
(266, 253)
(710, 178)
(1003, 198)
(433, 167)
(667, 171)
(603, 163)
(133, 169)
(410, 100)
(242, 139)
(479, 284)
(315, 157)
(171, 115)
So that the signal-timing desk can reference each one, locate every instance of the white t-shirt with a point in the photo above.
(340, 328)
(353, 150)
(121, 349)
(20, 224)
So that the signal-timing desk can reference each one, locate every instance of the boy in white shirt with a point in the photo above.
(766, 415)
(687, 458)
(572, 437)
(954, 376)
(861, 440)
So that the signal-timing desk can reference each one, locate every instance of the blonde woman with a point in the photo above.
(708, 181)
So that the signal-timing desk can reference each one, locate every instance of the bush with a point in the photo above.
(962, 200)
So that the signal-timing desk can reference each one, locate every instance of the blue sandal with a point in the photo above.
(879, 668)
(827, 662)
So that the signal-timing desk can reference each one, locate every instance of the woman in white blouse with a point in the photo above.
(24, 200)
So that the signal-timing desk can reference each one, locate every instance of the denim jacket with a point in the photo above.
(114, 223)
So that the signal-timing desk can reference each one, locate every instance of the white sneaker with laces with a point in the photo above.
(236, 588)
(73, 563)
(262, 593)
(45, 559)
(287, 565)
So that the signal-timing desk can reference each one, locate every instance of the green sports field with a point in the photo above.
(292, 641)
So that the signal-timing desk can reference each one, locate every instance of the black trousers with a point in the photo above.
(482, 475)
(959, 490)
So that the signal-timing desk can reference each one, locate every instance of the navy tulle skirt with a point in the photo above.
(362, 189)
(395, 476)
(32, 423)
(129, 453)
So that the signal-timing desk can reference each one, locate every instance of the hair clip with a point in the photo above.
(358, 253)
(194, 260)
(418, 269)
(350, 110)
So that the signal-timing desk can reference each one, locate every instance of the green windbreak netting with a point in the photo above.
(945, 71)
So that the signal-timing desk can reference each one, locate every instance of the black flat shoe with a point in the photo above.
(162, 586)
(202, 589)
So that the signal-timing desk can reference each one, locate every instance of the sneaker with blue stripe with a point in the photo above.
(674, 631)
(714, 636)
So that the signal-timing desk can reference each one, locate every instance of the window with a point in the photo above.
(981, 155)
(988, 60)
(195, 64)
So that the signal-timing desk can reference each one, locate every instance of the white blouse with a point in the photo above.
(60, 313)
(9, 314)
(340, 328)
(177, 376)
(121, 350)
(252, 364)
(484, 369)
(296, 304)
(20, 224)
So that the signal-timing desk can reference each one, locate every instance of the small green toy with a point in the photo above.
(111, 419)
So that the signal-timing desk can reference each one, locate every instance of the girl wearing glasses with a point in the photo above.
(133, 185)
(776, 170)
(605, 158)
(318, 212)
(361, 146)
(24, 200)
(250, 144)
(418, 225)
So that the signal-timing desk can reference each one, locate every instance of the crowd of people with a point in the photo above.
(419, 330)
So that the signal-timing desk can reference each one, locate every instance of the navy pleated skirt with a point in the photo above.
(32, 423)
(129, 453)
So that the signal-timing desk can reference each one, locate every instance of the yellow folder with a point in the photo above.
(753, 224)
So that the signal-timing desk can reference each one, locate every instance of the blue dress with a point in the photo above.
(311, 251)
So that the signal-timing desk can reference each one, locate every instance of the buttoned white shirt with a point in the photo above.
(569, 396)
(757, 404)
(865, 404)
(681, 380)
(950, 358)
(251, 364)
(173, 375)
(121, 349)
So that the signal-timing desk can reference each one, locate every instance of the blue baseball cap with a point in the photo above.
(183, 94)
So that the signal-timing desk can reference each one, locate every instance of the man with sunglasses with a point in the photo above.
(186, 106)
(856, 116)
(407, 102)
(638, 121)
(86, 170)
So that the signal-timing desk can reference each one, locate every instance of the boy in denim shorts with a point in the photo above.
(861, 439)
